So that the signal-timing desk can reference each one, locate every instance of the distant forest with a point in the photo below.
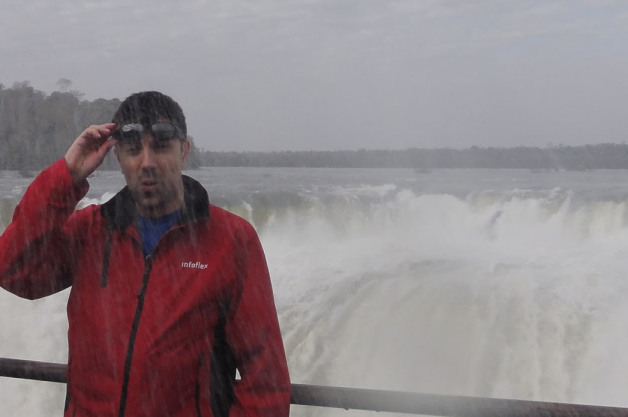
(37, 128)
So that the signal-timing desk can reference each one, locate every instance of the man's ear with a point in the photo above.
(115, 152)
(185, 150)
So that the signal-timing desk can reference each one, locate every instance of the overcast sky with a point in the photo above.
(341, 74)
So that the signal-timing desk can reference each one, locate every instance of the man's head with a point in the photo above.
(148, 107)
(152, 147)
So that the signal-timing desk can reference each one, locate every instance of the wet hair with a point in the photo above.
(148, 107)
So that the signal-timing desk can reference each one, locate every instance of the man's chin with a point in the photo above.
(148, 205)
(152, 203)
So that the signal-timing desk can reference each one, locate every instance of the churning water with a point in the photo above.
(500, 283)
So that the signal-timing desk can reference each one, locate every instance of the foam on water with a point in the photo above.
(513, 297)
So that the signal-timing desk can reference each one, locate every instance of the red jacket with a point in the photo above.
(159, 336)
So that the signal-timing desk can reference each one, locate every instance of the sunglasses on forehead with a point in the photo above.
(161, 131)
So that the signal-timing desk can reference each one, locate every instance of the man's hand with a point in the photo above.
(89, 150)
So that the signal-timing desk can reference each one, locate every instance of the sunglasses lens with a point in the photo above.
(164, 131)
(131, 132)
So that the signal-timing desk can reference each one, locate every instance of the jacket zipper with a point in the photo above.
(136, 322)
(197, 389)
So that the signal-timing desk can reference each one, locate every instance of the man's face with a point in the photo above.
(152, 168)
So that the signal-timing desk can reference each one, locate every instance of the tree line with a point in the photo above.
(602, 156)
(37, 128)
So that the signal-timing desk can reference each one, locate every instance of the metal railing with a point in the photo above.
(374, 400)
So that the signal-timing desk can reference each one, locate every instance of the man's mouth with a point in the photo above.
(148, 185)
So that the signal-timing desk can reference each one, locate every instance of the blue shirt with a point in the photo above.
(151, 229)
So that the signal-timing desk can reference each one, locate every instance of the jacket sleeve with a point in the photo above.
(35, 248)
(254, 336)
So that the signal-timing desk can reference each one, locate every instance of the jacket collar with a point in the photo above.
(119, 212)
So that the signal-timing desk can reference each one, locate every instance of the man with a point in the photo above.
(170, 295)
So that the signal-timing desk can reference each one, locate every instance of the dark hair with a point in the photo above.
(147, 107)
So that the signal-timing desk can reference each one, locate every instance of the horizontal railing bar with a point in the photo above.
(441, 405)
(374, 400)
(39, 371)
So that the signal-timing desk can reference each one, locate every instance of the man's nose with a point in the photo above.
(148, 154)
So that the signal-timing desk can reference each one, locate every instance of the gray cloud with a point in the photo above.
(278, 75)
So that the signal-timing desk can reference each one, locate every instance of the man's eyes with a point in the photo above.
(160, 145)
(132, 149)
(156, 146)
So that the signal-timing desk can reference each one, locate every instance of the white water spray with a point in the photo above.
(512, 292)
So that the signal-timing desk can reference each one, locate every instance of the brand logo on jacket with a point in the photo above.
(193, 265)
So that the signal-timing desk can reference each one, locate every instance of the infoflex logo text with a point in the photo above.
(193, 265)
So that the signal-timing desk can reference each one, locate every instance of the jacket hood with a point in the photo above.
(120, 212)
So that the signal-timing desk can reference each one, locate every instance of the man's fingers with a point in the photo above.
(106, 147)
(99, 131)
(106, 129)
(96, 135)
(88, 150)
